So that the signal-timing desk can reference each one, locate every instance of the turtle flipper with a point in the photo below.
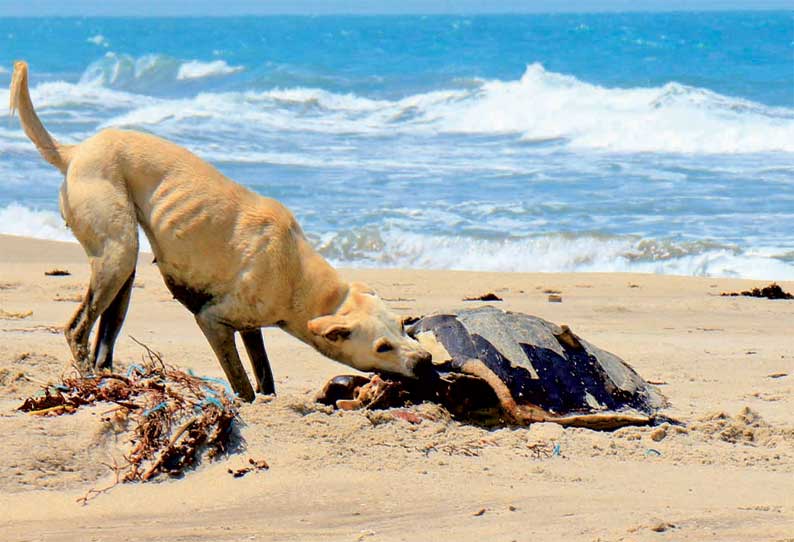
(604, 422)
(524, 414)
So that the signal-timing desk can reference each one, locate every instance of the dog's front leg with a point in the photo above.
(221, 338)
(255, 346)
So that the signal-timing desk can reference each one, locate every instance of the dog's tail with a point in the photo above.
(56, 154)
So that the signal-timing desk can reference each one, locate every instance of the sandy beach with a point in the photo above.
(725, 363)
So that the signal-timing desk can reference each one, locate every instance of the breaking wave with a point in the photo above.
(551, 253)
(149, 73)
(396, 248)
(540, 107)
(197, 70)
(17, 219)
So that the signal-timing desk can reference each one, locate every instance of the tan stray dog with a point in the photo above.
(236, 260)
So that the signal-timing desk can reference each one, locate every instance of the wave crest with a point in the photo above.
(196, 69)
(150, 73)
(673, 118)
(542, 108)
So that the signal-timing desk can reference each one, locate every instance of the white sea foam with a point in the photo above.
(196, 69)
(16, 219)
(673, 118)
(550, 253)
(67, 96)
(372, 247)
(100, 40)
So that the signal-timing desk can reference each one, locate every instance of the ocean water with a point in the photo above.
(612, 142)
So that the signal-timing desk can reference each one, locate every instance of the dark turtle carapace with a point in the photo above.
(519, 368)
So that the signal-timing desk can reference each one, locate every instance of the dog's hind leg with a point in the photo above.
(103, 219)
(221, 339)
(108, 275)
(255, 346)
(109, 326)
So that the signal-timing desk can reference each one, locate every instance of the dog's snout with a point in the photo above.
(422, 362)
(424, 358)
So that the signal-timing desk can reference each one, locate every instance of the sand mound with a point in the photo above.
(746, 427)
(63, 452)
(26, 372)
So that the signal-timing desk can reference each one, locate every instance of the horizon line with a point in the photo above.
(616, 11)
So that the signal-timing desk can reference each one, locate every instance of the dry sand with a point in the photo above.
(727, 475)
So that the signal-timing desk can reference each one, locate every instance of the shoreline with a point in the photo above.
(22, 247)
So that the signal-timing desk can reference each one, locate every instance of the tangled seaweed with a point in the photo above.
(773, 291)
(176, 416)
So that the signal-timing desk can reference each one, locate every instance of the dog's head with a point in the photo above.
(365, 334)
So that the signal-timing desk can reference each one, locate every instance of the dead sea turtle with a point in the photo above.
(524, 367)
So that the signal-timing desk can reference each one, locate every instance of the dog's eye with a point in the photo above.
(383, 347)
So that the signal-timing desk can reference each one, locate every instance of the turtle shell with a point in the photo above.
(540, 363)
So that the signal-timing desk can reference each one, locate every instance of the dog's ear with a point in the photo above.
(330, 328)
(406, 321)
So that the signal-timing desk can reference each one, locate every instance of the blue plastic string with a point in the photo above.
(209, 391)
(212, 401)
(161, 406)
(223, 383)
(134, 367)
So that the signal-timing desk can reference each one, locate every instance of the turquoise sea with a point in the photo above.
(603, 142)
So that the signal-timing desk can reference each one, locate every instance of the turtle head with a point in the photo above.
(366, 335)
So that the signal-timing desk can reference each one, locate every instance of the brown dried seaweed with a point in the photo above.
(490, 296)
(57, 273)
(773, 291)
(256, 465)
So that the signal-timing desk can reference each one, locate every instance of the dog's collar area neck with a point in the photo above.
(343, 295)
(298, 324)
